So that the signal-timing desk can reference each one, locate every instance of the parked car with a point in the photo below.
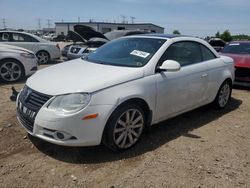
(44, 50)
(94, 39)
(126, 85)
(16, 63)
(240, 52)
(217, 43)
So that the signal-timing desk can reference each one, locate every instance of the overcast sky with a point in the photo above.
(190, 17)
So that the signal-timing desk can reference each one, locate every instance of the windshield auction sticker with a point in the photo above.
(140, 53)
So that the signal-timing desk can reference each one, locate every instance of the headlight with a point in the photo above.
(28, 55)
(71, 103)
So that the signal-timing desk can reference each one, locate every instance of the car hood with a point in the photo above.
(240, 60)
(87, 32)
(80, 76)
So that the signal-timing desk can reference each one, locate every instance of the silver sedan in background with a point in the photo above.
(16, 63)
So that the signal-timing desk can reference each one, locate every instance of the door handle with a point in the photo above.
(204, 75)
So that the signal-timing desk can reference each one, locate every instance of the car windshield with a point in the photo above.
(237, 48)
(129, 52)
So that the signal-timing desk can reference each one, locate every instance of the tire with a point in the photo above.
(43, 57)
(11, 71)
(224, 95)
(124, 127)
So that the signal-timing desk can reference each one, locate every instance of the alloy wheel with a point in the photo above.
(43, 57)
(224, 95)
(128, 128)
(10, 71)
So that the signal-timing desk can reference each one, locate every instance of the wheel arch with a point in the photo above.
(136, 100)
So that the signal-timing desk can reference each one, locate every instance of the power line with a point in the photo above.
(132, 19)
(4, 23)
(39, 23)
(48, 22)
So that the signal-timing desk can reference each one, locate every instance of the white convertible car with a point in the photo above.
(133, 82)
(44, 50)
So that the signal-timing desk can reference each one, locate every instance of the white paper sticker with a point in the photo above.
(140, 53)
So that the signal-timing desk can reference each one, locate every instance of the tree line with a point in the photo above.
(226, 36)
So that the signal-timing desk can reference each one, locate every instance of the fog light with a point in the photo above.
(61, 135)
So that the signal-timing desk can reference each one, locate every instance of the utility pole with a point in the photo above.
(78, 19)
(4, 23)
(132, 19)
(123, 18)
(48, 20)
(39, 23)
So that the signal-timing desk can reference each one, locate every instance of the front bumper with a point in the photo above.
(242, 76)
(49, 126)
(30, 65)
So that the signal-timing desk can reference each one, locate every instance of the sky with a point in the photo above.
(191, 17)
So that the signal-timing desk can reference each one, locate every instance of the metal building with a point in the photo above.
(104, 27)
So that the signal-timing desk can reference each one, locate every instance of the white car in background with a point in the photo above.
(44, 50)
(130, 83)
(16, 63)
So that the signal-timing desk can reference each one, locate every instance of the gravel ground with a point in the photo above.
(202, 148)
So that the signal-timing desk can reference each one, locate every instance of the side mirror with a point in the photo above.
(170, 66)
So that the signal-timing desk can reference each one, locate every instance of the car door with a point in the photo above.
(184, 89)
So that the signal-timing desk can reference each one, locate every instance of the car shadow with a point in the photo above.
(158, 135)
(246, 88)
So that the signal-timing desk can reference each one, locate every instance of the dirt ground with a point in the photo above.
(202, 148)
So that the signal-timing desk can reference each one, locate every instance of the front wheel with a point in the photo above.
(11, 71)
(124, 128)
(223, 95)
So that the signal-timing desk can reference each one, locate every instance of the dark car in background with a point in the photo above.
(217, 43)
(240, 52)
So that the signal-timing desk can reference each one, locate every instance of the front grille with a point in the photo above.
(74, 50)
(29, 103)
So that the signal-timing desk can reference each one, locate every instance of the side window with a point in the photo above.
(206, 53)
(4, 37)
(186, 53)
(19, 37)
(28, 38)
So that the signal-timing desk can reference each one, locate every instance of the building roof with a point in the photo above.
(107, 23)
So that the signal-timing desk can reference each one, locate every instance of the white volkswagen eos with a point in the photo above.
(111, 95)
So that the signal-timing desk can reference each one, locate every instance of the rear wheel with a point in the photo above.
(43, 57)
(124, 127)
(223, 95)
(11, 71)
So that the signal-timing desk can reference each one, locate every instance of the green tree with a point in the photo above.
(217, 35)
(176, 32)
(226, 36)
